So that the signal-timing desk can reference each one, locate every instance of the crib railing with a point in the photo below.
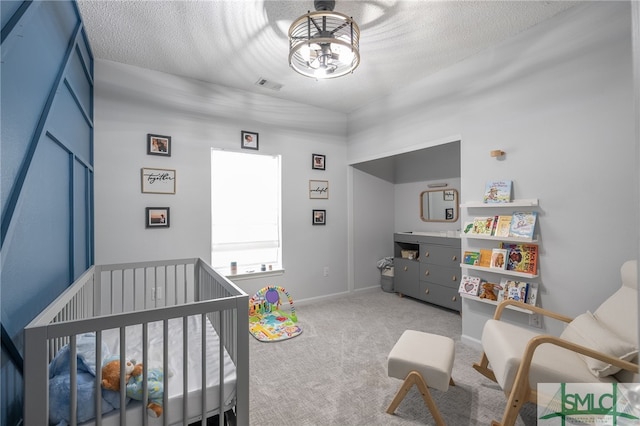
(120, 295)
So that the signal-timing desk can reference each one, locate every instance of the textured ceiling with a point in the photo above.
(235, 43)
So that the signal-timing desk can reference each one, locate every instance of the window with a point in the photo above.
(245, 210)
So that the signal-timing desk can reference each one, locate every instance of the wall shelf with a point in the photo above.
(493, 302)
(494, 238)
(532, 202)
(499, 271)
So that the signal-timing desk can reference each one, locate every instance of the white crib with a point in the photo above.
(130, 303)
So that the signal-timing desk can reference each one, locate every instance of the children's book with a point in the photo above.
(497, 191)
(514, 290)
(471, 257)
(483, 225)
(532, 294)
(523, 224)
(498, 259)
(468, 228)
(485, 258)
(521, 257)
(469, 285)
(503, 225)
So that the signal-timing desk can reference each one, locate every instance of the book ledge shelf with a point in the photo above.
(493, 302)
(498, 271)
(496, 238)
(532, 202)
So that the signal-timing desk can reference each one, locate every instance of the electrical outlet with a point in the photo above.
(325, 271)
(156, 293)
(535, 320)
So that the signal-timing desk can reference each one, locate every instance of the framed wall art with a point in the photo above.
(319, 189)
(159, 145)
(317, 161)
(157, 217)
(319, 217)
(248, 140)
(449, 195)
(158, 181)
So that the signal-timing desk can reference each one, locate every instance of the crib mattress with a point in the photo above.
(174, 410)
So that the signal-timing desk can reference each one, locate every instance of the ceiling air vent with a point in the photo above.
(268, 84)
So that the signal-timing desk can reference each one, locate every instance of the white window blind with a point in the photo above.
(245, 210)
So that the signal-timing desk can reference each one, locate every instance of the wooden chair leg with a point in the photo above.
(520, 393)
(414, 378)
(483, 368)
(451, 383)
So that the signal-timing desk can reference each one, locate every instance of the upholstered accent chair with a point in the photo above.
(598, 347)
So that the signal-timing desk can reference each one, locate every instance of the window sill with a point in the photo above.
(247, 275)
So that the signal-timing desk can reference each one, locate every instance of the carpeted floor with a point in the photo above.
(335, 372)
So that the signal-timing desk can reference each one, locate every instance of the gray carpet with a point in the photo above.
(335, 372)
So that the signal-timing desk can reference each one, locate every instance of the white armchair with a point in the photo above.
(598, 347)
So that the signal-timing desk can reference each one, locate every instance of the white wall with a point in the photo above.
(559, 100)
(131, 102)
(373, 215)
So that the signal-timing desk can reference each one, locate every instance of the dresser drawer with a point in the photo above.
(405, 278)
(440, 295)
(449, 277)
(439, 255)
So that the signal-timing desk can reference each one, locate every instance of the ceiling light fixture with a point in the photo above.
(324, 43)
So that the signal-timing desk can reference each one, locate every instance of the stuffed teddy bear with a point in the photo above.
(133, 378)
(155, 388)
(111, 374)
(487, 292)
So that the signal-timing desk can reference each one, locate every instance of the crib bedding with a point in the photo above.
(133, 337)
(174, 410)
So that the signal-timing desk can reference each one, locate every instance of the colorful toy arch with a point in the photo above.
(268, 320)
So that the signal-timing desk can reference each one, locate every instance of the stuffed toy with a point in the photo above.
(133, 377)
(155, 388)
(111, 374)
(487, 292)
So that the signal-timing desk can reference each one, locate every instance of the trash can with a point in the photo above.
(386, 280)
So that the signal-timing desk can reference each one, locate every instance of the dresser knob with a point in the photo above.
(453, 298)
(426, 272)
(426, 254)
(454, 278)
(426, 291)
(454, 258)
(406, 269)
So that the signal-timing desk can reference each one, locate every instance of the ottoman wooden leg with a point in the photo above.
(414, 378)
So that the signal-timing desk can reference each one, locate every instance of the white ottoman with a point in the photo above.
(425, 360)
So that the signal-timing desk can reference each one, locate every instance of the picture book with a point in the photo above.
(503, 225)
(523, 224)
(497, 191)
(468, 228)
(469, 285)
(471, 257)
(514, 290)
(532, 294)
(498, 259)
(483, 225)
(485, 258)
(521, 257)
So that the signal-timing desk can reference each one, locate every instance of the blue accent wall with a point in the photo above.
(46, 162)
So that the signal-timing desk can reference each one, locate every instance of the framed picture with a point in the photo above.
(157, 217)
(448, 214)
(158, 181)
(317, 161)
(159, 145)
(319, 189)
(319, 217)
(448, 195)
(248, 140)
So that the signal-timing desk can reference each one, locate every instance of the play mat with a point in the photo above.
(268, 321)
